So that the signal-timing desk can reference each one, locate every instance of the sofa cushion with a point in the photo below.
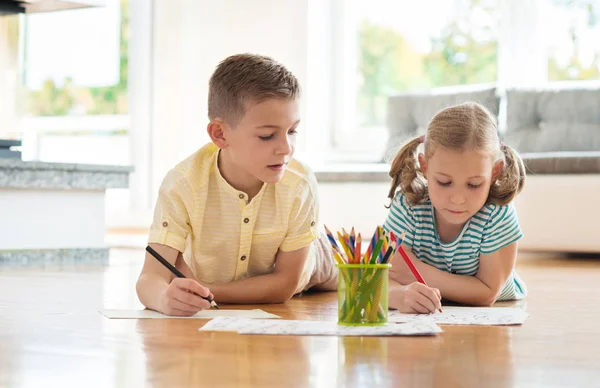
(409, 113)
(562, 162)
(560, 117)
(555, 137)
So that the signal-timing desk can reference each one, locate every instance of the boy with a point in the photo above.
(239, 217)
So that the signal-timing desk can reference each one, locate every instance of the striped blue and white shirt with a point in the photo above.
(492, 228)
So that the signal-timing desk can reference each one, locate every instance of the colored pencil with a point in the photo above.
(331, 238)
(376, 252)
(381, 235)
(357, 249)
(388, 253)
(412, 267)
(372, 244)
(339, 258)
(345, 247)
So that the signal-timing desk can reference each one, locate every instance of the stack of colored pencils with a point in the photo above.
(363, 288)
(347, 249)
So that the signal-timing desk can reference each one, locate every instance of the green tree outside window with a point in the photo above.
(52, 100)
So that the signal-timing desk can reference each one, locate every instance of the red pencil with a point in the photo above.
(412, 267)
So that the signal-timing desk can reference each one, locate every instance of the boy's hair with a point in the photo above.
(468, 126)
(247, 78)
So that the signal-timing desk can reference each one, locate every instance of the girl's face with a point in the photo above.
(459, 182)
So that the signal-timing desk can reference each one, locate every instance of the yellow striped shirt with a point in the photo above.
(223, 237)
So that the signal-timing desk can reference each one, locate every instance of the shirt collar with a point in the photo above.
(225, 186)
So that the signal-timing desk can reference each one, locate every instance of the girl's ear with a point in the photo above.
(217, 130)
(422, 164)
(497, 170)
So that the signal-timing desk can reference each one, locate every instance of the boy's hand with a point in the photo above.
(416, 298)
(180, 299)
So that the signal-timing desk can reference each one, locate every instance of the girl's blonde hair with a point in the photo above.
(468, 126)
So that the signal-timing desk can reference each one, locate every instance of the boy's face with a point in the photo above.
(263, 142)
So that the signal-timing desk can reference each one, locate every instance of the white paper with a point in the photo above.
(204, 314)
(291, 327)
(458, 315)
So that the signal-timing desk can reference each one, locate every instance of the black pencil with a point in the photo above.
(389, 252)
(176, 272)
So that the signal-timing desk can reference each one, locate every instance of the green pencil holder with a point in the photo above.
(363, 294)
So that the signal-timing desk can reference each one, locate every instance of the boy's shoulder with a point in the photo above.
(297, 174)
(193, 170)
(197, 164)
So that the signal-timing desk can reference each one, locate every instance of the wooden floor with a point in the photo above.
(51, 335)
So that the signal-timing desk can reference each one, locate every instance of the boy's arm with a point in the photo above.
(276, 287)
(157, 290)
(480, 290)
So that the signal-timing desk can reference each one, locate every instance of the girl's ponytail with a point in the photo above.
(511, 180)
(406, 173)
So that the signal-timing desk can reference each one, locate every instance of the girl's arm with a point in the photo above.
(480, 290)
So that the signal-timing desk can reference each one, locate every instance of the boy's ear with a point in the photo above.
(217, 130)
(422, 164)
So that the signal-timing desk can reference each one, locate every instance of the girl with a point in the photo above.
(455, 206)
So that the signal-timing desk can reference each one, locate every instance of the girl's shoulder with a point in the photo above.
(492, 213)
(400, 200)
(402, 206)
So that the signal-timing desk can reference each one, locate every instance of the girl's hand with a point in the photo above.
(182, 297)
(416, 298)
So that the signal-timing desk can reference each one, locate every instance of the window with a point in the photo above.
(9, 48)
(574, 44)
(405, 48)
(385, 47)
(397, 47)
(75, 85)
(76, 61)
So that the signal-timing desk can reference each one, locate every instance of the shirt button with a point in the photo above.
(243, 258)
(241, 196)
(312, 223)
(246, 220)
(165, 224)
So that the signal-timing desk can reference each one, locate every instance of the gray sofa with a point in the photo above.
(410, 113)
(556, 129)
